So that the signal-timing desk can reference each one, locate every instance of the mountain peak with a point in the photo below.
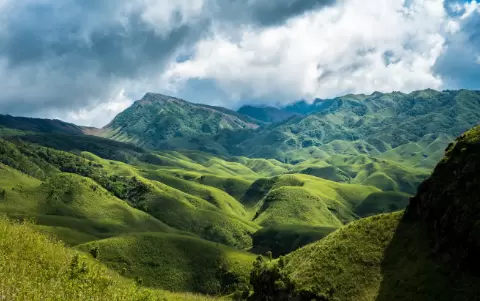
(151, 97)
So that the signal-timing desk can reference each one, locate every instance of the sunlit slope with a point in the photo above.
(34, 267)
(381, 258)
(72, 205)
(306, 200)
(384, 174)
(175, 262)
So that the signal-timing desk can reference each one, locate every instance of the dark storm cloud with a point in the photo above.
(265, 13)
(269, 13)
(459, 65)
(69, 54)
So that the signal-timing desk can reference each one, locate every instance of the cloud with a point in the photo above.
(459, 63)
(263, 13)
(70, 55)
(85, 60)
(354, 46)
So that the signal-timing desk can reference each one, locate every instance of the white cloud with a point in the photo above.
(327, 52)
(469, 8)
(101, 114)
(230, 53)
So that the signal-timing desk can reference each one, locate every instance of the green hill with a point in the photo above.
(175, 262)
(220, 219)
(73, 207)
(35, 267)
(428, 253)
(381, 258)
(284, 239)
(448, 204)
(52, 126)
(306, 200)
(379, 122)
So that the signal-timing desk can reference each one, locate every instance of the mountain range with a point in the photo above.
(173, 198)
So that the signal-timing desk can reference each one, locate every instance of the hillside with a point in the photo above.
(448, 203)
(266, 114)
(156, 118)
(405, 128)
(379, 122)
(428, 253)
(52, 126)
(35, 267)
(307, 200)
(175, 262)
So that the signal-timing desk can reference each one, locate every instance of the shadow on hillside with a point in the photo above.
(410, 271)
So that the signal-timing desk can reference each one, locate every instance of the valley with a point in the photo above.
(181, 201)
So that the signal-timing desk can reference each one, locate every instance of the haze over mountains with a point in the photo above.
(179, 196)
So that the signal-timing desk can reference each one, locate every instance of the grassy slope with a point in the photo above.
(36, 267)
(382, 258)
(68, 201)
(284, 239)
(384, 174)
(175, 262)
(380, 202)
(368, 124)
(307, 200)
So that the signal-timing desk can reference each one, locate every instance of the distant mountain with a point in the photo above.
(373, 124)
(392, 126)
(53, 126)
(157, 118)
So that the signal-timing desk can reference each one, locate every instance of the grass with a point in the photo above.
(284, 239)
(73, 202)
(36, 267)
(381, 258)
(220, 199)
(175, 262)
(307, 200)
(382, 202)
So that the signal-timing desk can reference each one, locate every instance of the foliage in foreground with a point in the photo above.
(35, 267)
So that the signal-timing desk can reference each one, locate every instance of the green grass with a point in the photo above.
(220, 199)
(74, 202)
(175, 262)
(307, 200)
(382, 202)
(284, 239)
(381, 258)
(36, 267)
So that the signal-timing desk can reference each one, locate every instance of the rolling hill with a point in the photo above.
(427, 253)
(36, 267)
(179, 196)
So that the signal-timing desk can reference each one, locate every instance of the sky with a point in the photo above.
(84, 61)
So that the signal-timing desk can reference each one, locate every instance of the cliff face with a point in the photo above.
(449, 204)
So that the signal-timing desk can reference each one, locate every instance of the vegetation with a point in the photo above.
(381, 258)
(428, 253)
(35, 267)
(283, 239)
(175, 262)
(189, 192)
(448, 203)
